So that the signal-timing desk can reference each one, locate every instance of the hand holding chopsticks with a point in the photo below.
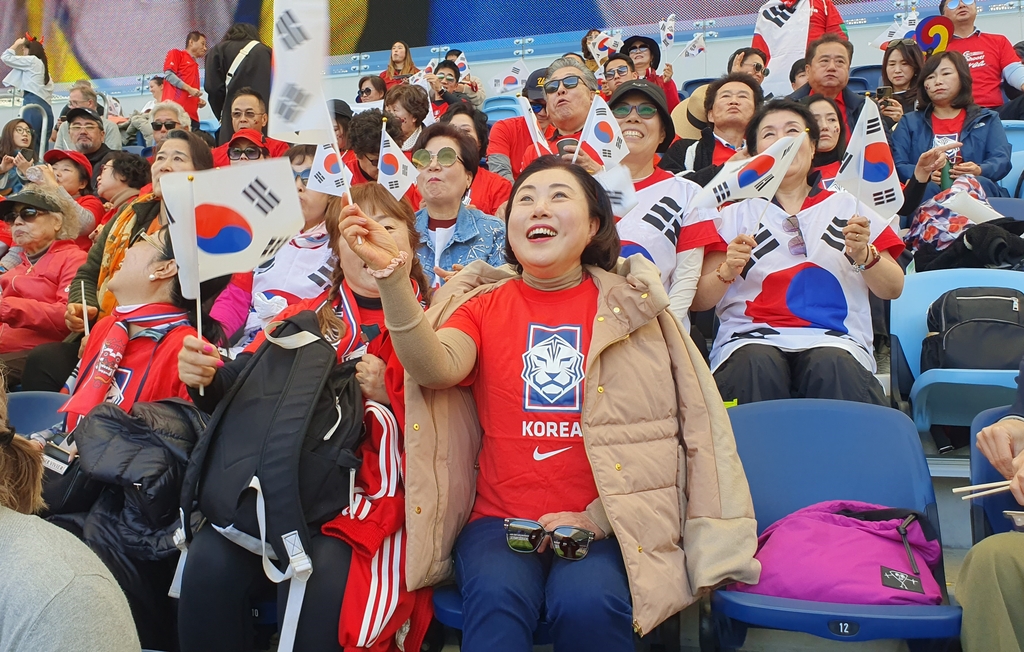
(983, 489)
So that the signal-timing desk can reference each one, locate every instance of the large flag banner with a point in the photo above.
(359, 107)
(394, 171)
(758, 176)
(513, 79)
(229, 220)
(667, 28)
(781, 31)
(328, 174)
(298, 108)
(905, 28)
(540, 144)
(603, 46)
(867, 171)
(601, 132)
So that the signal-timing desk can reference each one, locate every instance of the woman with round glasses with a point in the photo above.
(901, 64)
(791, 291)
(16, 139)
(371, 89)
(524, 433)
(646, 56)
(451, 233)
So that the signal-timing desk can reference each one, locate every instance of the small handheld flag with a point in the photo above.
(297, 107)
(539, 143)
(462, 64)
(429, 68)
(905, 28)
(867, 170)
(668, 32)
(758, 176)
(512, 80)
(394, 171)
(603, 46)
(693, 48)
(601, 132)
(328, 174)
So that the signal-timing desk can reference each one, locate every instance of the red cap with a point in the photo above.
(250, 135)
(55, 155)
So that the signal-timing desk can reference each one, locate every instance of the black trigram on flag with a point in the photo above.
(292, 103)
(394, 185)
(385, 144)
(339, 182)
(883, 197)
(262, 197)
(778, 14)
(764, 181)
(874, 126)
(319, 176)
(273, 247)
(405, 169)
(766, 243)
(292, 34)
(618, 143)
(667, 216)
(601, 111)
(516, 70)
(722, 193)
(846, 162)
(833, 235)
(606, 153)
(321, 277)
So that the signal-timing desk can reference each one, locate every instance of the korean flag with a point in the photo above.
(601, 132)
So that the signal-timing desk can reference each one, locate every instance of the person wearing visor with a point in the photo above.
(510, 138)
(618, 69)
(34, 293)
(452, 234)
(540, 478)
(992, 57)
(246, 146)
(646, 56)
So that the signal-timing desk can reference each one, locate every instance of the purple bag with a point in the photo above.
(849, 552)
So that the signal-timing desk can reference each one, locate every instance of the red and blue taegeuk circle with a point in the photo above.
(754, 170)
(389, 164)
(220, 230)
(802, 296)
(604, 132)
(332, 164)
(878, 165)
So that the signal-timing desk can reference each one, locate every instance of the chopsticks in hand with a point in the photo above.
(983, 489)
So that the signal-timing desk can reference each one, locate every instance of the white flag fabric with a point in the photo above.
(601, 131)
(695, 46)
(781, 30)
(328, 174)
(758, 176)
(512, 79)
(618, 183)
(867, 170)
(463, 65)
(668, 33)
(394, 171)
(230, 219)
(359, 107)
(298, 108)
(603, 46)
(899, 29)
(540, 144)
(429, 68)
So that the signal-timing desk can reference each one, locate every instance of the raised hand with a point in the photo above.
(367, 238)
(857, 234)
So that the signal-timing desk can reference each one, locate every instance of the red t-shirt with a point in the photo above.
(722, 153)
(186, 68)
(510, 137)
(489, 191)
(987, 55)
(528, 385)
(553, 137)
(94, 205)
(946, 131)
(412, 195)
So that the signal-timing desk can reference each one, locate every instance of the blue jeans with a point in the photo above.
(35, 120)
(505, 594)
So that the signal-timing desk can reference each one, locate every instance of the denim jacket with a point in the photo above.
(477, 236)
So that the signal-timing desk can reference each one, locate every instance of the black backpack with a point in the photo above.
(975, 328)
(277, 457)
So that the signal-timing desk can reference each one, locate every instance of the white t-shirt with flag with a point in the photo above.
(796, 302)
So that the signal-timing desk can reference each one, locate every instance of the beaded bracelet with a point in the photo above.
(395, 263)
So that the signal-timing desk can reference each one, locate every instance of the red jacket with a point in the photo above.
(186, 68)
(94, 205)
(33, 298)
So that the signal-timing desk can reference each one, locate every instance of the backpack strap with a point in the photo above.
(242, 54)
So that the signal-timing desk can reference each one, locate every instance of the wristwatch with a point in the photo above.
(873, 258)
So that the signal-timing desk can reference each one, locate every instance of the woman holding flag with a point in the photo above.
(792, 288)
(646, 56)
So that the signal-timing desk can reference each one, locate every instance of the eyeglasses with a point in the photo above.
(538, 106)
(551, 87)
(639, 48)
(953, 4)
(150, 240)
(900, 41)
(797, 246)
(446, 157)
(27, 215)
(365, 92)
(24, 131)
(249, 153)
(569, 542)
(302, 176)
(89, 126)
(446, 78)
(645, 111)
(612, 73)
(160, 126)
(248, 115)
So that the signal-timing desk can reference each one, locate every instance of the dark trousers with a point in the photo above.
(214, 612)
(505, 594)
(48, 366)
(759, 372)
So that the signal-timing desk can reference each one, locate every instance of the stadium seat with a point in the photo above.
(689, 86)
(798, 452)
(133, 149)
(860, 85)
(950, 397)
(1008, 206)
(1012, 180)
(502, 112)
(499, 101)
(31, 412)
(987, 513)
(871, 74)
(1015, 133)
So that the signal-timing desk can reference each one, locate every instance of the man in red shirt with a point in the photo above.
(991, 56)
(181, 76)
(249, 112)
(510, 138)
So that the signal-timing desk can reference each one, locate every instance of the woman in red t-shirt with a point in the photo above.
(72, 171)
(831, 142)
(509, 360)
(400, 67)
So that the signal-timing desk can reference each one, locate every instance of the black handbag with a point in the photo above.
(70, 493)
(975, 328)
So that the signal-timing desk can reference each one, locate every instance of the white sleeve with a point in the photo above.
(684, 281)
(20, 62)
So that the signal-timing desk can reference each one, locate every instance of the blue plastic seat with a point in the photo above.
(860, 85)
(1011, 180)
(987, 513)
(693, 84)
(133, 149)
(500, 101)
(502, 112)
(1009, 206)
(871, 74)
(1015, 133)
(34, 411)
(799, 452)
(951, 397)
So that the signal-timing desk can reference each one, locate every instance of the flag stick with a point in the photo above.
(85, 310)
(199, 325)
(583, 132)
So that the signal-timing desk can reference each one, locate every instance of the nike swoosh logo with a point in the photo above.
(540, 457)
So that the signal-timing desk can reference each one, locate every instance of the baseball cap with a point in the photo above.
(27, 197)
(55, 155)
(250, 135)
(535, 85)
(339, 109)
(82, 112)
(657, 96)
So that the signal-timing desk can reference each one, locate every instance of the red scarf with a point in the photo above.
(94, 383)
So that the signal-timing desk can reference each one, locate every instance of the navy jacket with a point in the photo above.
(983, 137)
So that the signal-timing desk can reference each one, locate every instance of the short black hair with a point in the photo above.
(453, 53)
(605, 247)
(249, 90)
(775, 106)
(618, 56)
(131, 169)
(965, 97)
(828, 37)
(193, 37)
(364, 131)
(799, 66)
(742, 78)
(298, 153)
(468, 151)
(448, 65)
(748, 52)
(478, 117)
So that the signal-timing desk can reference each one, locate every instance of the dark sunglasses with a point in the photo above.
(797, 246)
(249, 153)
(27, 215)
(302, 176)
(365, 92)
(160, 126)
(446, 157)
(645, 111)
(569, 542)
(551, 87)
(612, 73)
(639, 48)
(900, 41)
(538, 107)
